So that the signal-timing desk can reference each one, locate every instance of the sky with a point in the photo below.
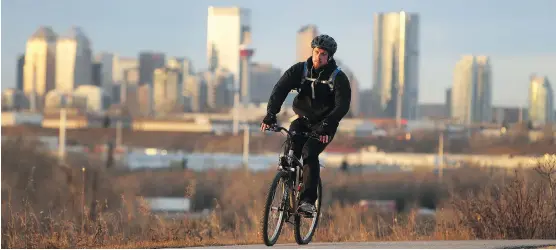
(518, 36)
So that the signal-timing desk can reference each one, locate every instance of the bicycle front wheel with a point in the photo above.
(274, 209)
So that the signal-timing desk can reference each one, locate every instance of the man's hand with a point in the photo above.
(323, 132)
(264, 126)
(268, 121)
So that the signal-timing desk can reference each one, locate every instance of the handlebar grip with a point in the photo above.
(273, 127)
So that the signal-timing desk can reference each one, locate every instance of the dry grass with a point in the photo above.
(42, 201)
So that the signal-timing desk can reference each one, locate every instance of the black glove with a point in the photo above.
(325, 128)
(270, 119)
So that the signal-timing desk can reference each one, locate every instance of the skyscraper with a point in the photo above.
(263, 79)
(148, 62)
(541, 100)
(73, 61)
(182, 64)
(122, 65)
(193, 98)
(145, 99)
(354, 109)
(40, 66)
(218, 94)
(472, 90)
(367, 100)
(107, 60)
(227, 29)
(189, 82)
(303, 42)
(167, 91)
(448, 103)
(19, 72)
(396, 64)
(96, 71)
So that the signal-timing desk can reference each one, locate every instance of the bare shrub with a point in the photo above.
(522, 206)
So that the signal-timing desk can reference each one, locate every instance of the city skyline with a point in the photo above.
(516, 36)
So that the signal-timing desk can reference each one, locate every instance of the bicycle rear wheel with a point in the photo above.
(304, 228)
(273, 210)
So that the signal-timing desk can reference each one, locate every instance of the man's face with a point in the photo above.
(320, 57)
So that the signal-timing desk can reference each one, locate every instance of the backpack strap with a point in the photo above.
(304, 77)
(305, 74)
(333, 77)
(305, 70)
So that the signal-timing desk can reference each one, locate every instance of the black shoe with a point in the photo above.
(306, 209)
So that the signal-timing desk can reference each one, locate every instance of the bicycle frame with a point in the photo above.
(293, 160)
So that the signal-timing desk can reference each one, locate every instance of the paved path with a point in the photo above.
(414, 244)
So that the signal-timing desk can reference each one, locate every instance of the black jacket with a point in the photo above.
(329, 106)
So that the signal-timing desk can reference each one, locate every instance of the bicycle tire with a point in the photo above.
(297, 223)
(270, 241)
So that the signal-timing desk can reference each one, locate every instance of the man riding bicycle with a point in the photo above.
(323, 99)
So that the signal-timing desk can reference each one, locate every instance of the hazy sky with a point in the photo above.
(518, 35)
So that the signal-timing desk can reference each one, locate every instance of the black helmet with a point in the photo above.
(325, 42)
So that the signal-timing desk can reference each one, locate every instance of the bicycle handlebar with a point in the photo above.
(276, 128)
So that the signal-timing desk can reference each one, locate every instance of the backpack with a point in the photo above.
(329, 82)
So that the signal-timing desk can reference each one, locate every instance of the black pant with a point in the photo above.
(308, 149)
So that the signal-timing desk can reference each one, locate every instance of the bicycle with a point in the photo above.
(290, 172)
